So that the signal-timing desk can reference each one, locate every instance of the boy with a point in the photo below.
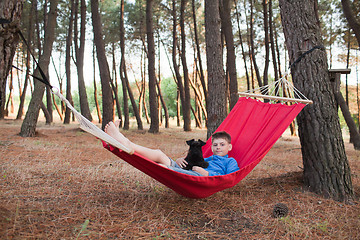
(219, 163)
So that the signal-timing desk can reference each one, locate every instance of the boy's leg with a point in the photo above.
(155, 155)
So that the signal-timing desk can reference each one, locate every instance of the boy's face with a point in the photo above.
(220, 147)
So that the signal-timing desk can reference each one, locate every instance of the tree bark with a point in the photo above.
(266, 42)
(95, 88)
(68, 62)
(242, 48)
(28, 57)
(174, 54)
(351, 18)
(216, 107)
(230, 52)
(49, 105)
(10, 10)
(354, 134)
(107, 99)
(124, 123)
(79, 52)
(28, 127)
(11, 88)
(272, 41)
(198, 52)
(252, 45)
(163, 104)
(123, 72)
(326, 168)
(154, 111)
(186, 107)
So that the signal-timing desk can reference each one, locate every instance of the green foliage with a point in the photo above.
(110, 19)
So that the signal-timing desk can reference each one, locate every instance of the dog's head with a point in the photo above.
(194, 156)
(195, 144)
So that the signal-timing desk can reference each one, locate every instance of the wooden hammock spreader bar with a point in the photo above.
(284, 99)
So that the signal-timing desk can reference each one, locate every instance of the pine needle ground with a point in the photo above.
(63, 185)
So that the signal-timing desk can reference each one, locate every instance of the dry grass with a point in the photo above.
(63, 185)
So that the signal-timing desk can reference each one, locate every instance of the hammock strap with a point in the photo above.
(306, 53)
(44, 79)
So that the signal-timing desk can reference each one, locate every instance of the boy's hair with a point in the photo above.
(221, 134)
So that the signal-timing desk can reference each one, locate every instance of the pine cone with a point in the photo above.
(280, 210)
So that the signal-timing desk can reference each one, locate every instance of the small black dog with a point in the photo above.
(195, 155)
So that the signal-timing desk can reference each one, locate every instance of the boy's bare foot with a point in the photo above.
(113, 130)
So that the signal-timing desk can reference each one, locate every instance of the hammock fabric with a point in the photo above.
(254, 126)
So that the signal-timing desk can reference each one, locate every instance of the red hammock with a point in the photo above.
(254, 127)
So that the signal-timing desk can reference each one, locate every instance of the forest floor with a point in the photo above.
(62, 184)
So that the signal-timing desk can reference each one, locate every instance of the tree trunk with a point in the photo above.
(174, 54)
(266, 42)
(28, 126)
(201, 71)
(68, 62)
(326, 168)
(216, 107)
(198, 95)
(351, 18)
(230, 52)
(57, 108)
(95, 88)
(178, 115)
(79, 52)
(10, 93)
(125, 99)
(186, 107)
(107, 99)
(163, 104)
(49, 105)
(277, 53)
(125, 124)
(154, 111)
(123, 72)
(143, 87)
(252, 45)
(10, 10)
(28, 56)
(242, 48)
(272, 41)
(354, 134)
(46, 112)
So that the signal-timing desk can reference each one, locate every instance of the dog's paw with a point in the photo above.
(204, 164)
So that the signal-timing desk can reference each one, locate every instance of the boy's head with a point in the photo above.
(223, 135)
(221, 143)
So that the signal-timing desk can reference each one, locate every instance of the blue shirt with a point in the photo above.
(221, 165)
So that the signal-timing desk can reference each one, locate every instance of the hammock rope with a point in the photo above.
(91, 128)
(298, 96)
(275, 93)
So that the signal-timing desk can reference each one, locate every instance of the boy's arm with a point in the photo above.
(200, 170)
(232, 166)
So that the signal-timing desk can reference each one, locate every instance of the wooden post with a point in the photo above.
(335, 75)
(335, 79)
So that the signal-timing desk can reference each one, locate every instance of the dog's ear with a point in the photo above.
(189, 142)
(202, 143)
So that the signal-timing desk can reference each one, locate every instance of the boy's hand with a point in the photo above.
(181, 162)
(200, 170)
